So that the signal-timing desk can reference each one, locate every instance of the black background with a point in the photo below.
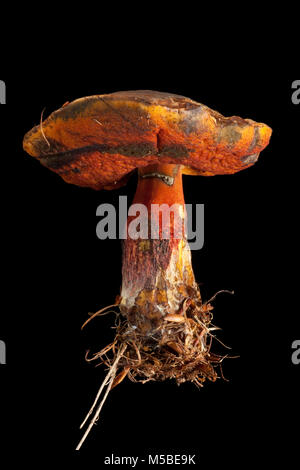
(55, 271)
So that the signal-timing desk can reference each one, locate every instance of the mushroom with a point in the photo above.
(97, 142)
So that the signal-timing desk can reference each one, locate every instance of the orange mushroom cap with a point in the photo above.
(99, 140)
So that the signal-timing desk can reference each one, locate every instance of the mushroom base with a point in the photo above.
(174, 350)
(179, 350)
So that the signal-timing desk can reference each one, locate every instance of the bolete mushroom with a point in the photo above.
(97, 142)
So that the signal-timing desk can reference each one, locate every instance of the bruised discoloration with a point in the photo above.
(229, 134)
(176, 151)
(96, 141)
(156, 282)
(249, 159)
(57, 160)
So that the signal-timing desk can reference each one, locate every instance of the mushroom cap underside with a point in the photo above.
(97, 141)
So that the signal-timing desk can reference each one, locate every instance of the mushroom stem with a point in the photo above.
(157, 274)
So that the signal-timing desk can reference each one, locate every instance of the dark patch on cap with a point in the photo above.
(43, 146)
(250, 159)
(174, 151)
(72, 110)
(149, 97)
(230, 134)
(255, 140)
(192, 121)
(60, 159)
